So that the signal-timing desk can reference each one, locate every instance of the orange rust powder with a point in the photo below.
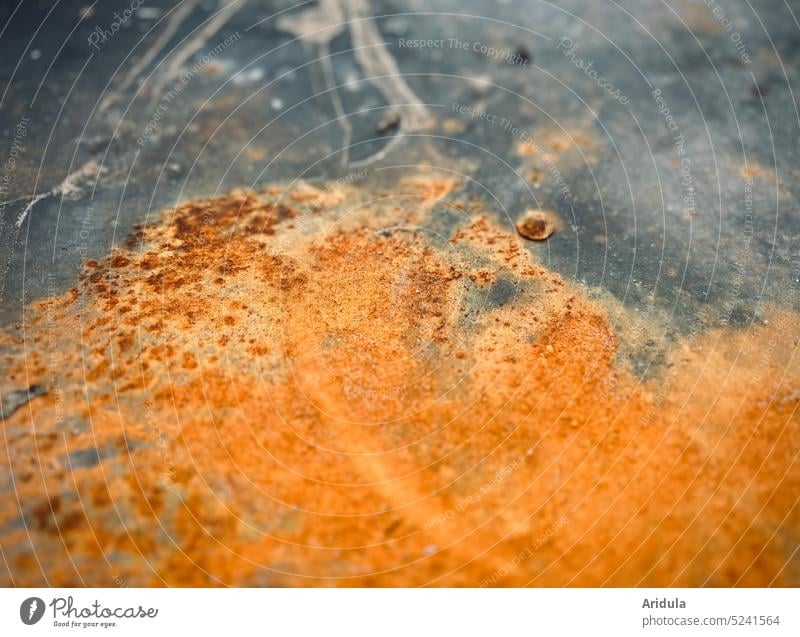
(309, 389)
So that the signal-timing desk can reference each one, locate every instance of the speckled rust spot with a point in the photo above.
(537, 225)
(303, 387)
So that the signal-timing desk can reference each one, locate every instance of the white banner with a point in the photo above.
(400, 612)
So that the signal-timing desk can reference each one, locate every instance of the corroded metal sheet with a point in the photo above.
(377, 294)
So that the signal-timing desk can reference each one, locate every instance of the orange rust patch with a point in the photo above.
(281, 396)
(430, 188)
(560, 145)
(453, 126)
(753, 170)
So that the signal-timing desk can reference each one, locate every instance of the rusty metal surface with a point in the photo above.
(387, 153)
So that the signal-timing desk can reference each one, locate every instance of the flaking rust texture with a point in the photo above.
(306, 385)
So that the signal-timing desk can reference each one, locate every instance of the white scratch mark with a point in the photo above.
(70, 187)
(194, 44)
(173, 22)
(320, 24)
